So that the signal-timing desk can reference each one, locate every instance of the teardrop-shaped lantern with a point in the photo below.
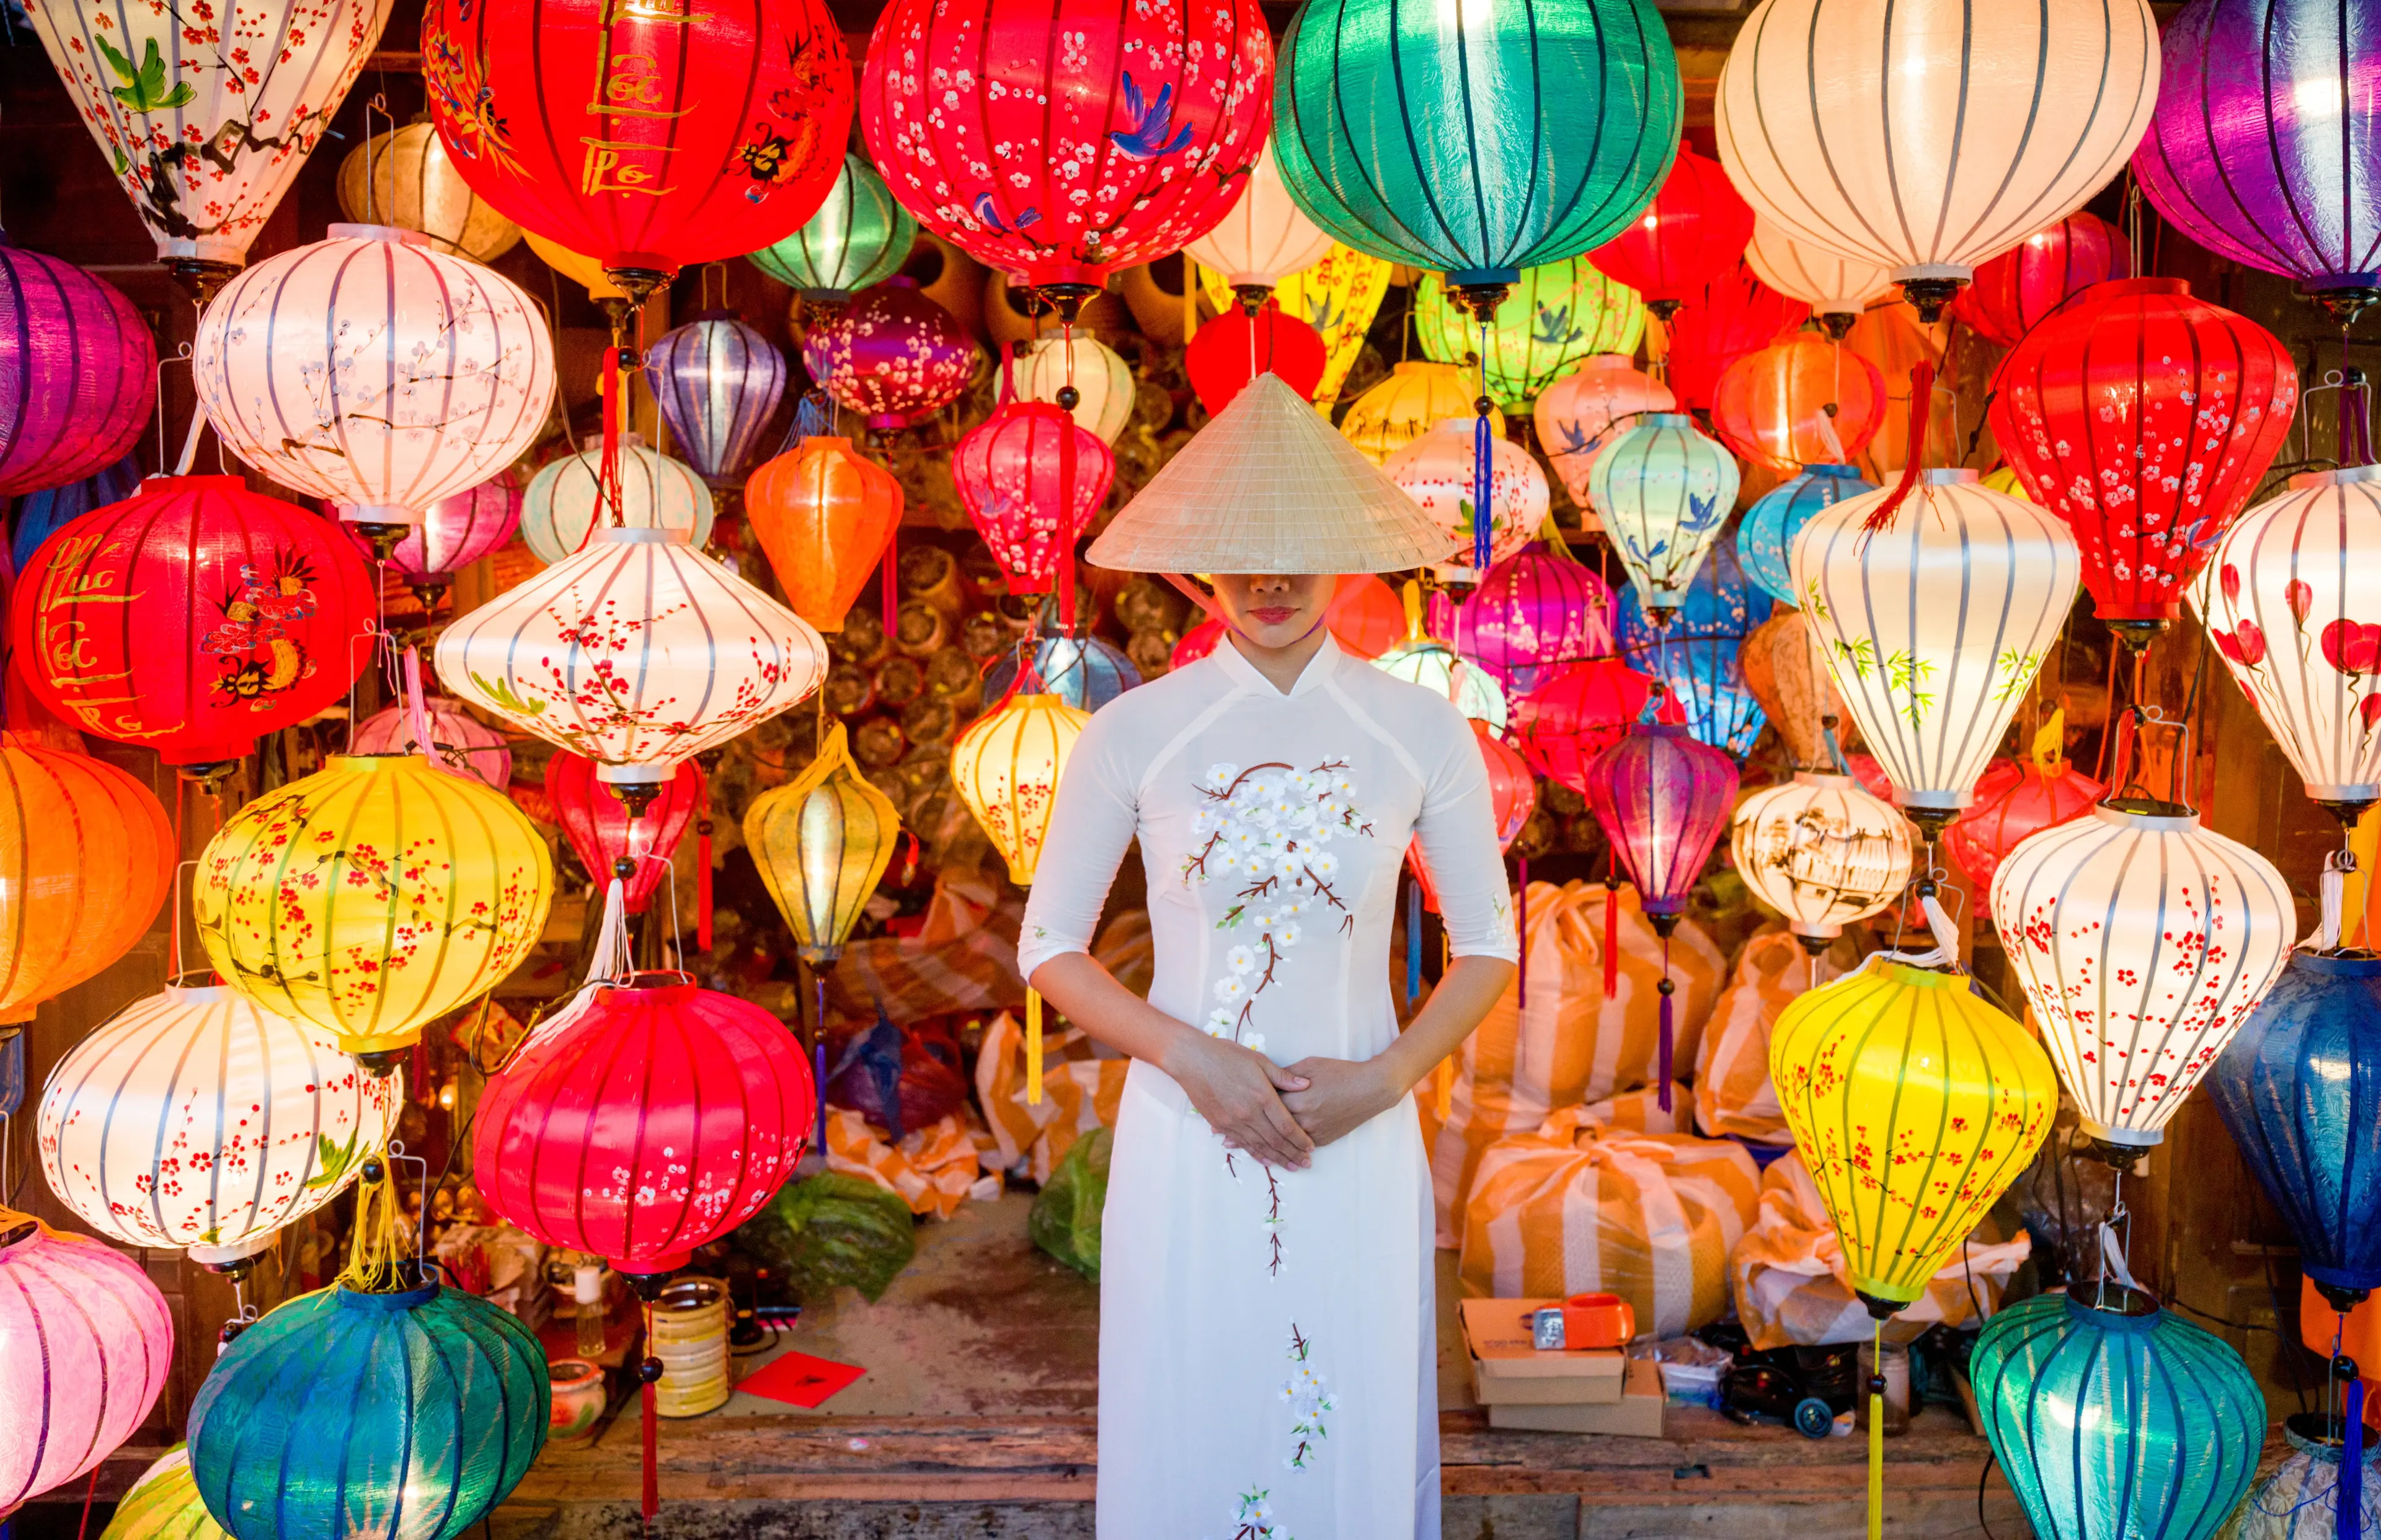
(1935, 625)
(1766, 535)
(1663, 490)
(1582, 710)
(822, 841)
(1416, 397)
(716, 382)
(611, 841)
(2026, 285)
(1821, 851)
(1555, 316)
(1799, 402)
(565, 500)
(1264, 237)
(1695, 229)
(1102, 383)
(457, 740)
(1030, 480)
(93, 1346)
(1663, 800)
(1578, 415)
(1006, 767)
(1837, 287)
(2143, 942)
(86, 858)
(1438, 472)
(824, 514)
(1533, 612)
(858, 238)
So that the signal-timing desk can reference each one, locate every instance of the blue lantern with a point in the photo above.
(1087, 674)
(2114, 1419)
(40, 513)
(1772, 521)
(1695, 655)
(12, 1072)
(2301, 1090)
(354, 1416)
(716, 382)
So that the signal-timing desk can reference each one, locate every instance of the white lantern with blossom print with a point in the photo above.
(1822, 851)
(2143, 942)
(639, 652)
(1437, 470)
(1265, 236)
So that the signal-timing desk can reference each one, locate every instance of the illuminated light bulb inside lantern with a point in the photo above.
(1438, 472)
(1821, 851)
(821, 843)
(565, 499)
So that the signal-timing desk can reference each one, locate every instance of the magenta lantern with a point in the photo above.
(892, 355)
(1031, 480)
(458, 741)
(1579, 711)
(77, 366)
(2024, 283)
(85, 1346)
(454, 533)
(1532, 613)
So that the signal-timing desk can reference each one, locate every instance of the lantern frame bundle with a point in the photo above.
(716, 382)
(1822, 851)
(1663, 490)
(824, 514)
(858, 238)
(75, 366)
(613, 843)
(821, 842)
(93, 1345)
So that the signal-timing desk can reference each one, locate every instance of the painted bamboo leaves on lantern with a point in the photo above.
(1903, 675)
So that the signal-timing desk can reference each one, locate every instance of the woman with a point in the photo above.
(1268, 1368)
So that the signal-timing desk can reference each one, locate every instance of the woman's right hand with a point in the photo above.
(1239, 1092)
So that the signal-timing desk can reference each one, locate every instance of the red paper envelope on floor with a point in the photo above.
(800, 1378)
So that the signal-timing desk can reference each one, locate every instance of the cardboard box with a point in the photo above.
(1638, 1414)
(1508, 1371)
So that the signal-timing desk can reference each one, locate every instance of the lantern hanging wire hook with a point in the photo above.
(2355, 406)
(376, 147)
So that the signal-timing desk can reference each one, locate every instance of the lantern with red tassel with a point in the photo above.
(1236, 347)
(1734, 315)
(611, 842)
(1694, 230)
(1582, 710)
(2023, 285)
(1031, 480)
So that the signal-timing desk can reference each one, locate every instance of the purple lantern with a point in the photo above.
(78, 373)
(1532, 613)
(455, 532)
(715, 381)
(2263, 147)
(892, 355)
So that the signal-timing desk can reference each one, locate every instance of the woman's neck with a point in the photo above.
(1281, 665)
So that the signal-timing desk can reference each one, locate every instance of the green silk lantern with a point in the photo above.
(860, 236)
(1557, 315)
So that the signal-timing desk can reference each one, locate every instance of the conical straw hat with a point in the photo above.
(1270, 486)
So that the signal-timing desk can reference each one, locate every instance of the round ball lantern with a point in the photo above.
(565, 500)
(1695, 229)
(1238, 347)
(1934, 624)
(1914, 1105)
(2291, 596)
(1663, 490)
(716, 382)
(1782, 668)
(1802, 400)
(1338, 296)
(375, 371)
(1094, 138)
(406, 178)
(1438, 668)
(2016, 291)
(1767, 533)
(457, 740)
(1006, 767)
(454, 533)
(1102, 383)
(1437, 471)
(2300, 1091)
(1581, 413)
(2143, 942)
(2145, 419)
(1821, 851)
(654, 1120)
(639, 652)
(1030, 480)
(92, 1345)
(164, 1504)
(1557, 316)
(406, 1416)
(1416, 397)
(824, 514)
(77, 369)
(1735, 313)
(1953, 133)
(1262, 238)
(821, 842)
(193, 617)
(603, 833)
(892, 355)
(191, 1119)
(2111, 1416)
(1837, 287)
(2015, 801)
(1697, 650)
(372, 897)
(86, 858)
(1663, 800)
(1531, 614)
(36, 515)
(1366, 617)
(858, 238)
(2260, 150)
(1085, 672)
(1579, 711)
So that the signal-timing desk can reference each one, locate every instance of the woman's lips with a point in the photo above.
(1275, 615)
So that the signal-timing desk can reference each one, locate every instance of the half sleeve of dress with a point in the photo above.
(1092, 826)
(1458, 830)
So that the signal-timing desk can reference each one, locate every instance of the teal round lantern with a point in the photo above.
(345, 1415)
(2113, 1418)
(1777, 516)
(858, 238)
(1558, 315)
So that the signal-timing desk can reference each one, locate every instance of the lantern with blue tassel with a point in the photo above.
(2319, 1492)
(1697, 655)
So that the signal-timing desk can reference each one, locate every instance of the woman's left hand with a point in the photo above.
(1341, 1096)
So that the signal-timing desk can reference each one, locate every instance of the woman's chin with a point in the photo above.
(1272, 638)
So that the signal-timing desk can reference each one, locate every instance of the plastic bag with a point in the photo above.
(1080, 1094)
(1732, 1091)
(832, 1232)
(932, 1169)
(1066, 1217)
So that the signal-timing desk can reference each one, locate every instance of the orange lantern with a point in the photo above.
(1802, 400)
(824, 513)
(85, 856)
(1367, 618)
(1893, 338)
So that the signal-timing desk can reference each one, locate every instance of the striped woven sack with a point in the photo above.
(1579, 1207)
(1733, 1089)
(931, 1170)
(1078, 1094)
(1568, 1044)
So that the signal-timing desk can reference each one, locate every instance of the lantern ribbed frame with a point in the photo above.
(2301, 1497)
(2145, 419)
(1338, 295)
(2125, 1420)
(892, 355)
(602, 832)
(1934, 626)
(86, 858)
(373, 896)
(77, 366)
(2014, 801)
(1780, 666)
(564, 503)
(716, 382)
(1533, 612)
(858, 238)
(1030, 480)
(1417, 396)
(164, 1504)
(1558, 315)
(822, 842)
(192, 1118)
(1830, 283)
(1915, 1105)
(1735, 313)
(1437, 471)
(1927, 136)
(403, 1416)
(1767, 533)
(1773, 405)
(455, 531)
(1699, 656)
(1663, 800)
(2026, 285)
(653, 1119)
(1821, 851)
(1104, 389)
(1581, 413)
(93, 1344)
(1083, 671)
(228, 616)
(39, 515)
(1438, 668)
(459, 741)
(2143, 942)
(1663, 490)
(406, 178)
(1695, 229)
(1006, 766)
(824, 514)
(1476, 142)
(1235, 348)
(1264, 237)
(1576, 714)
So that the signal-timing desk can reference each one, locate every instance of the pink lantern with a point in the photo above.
(1031, 480)
(460, 740)
(455, 532)
(85, 1346)
(2033, 278)
(1579, 711)
(1532, 612)
(892, 355)
(1589, 407)
(1437, 470)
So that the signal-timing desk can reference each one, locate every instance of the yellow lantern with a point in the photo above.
(1337, 296)
(821, 842)
(2007, 482)
(1415, 398)
(372, 897)
(405, 179)
(586, 272)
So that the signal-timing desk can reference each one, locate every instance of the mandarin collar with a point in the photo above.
(1243, 673)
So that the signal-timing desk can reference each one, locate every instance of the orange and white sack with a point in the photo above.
(1791, 1289)
(1566, 1043)
(1580, 1206)
(1078, 1094)
(1733, 1089)
(931, 1170)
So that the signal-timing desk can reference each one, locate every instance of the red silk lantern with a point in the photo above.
(1692, 232)
(646, 137)
(1058, 141)
(1512, 793)
(824, 513)
(1774, 405)
(1367, 618)
(2145, 419)
(193, 617)
(1030, 480)
(1735, 313)
(1233, 349)
(1196, 643)
(650, 1119)
(2014, 800)
(2015, 290)
(604, 833)
(1576, 714)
